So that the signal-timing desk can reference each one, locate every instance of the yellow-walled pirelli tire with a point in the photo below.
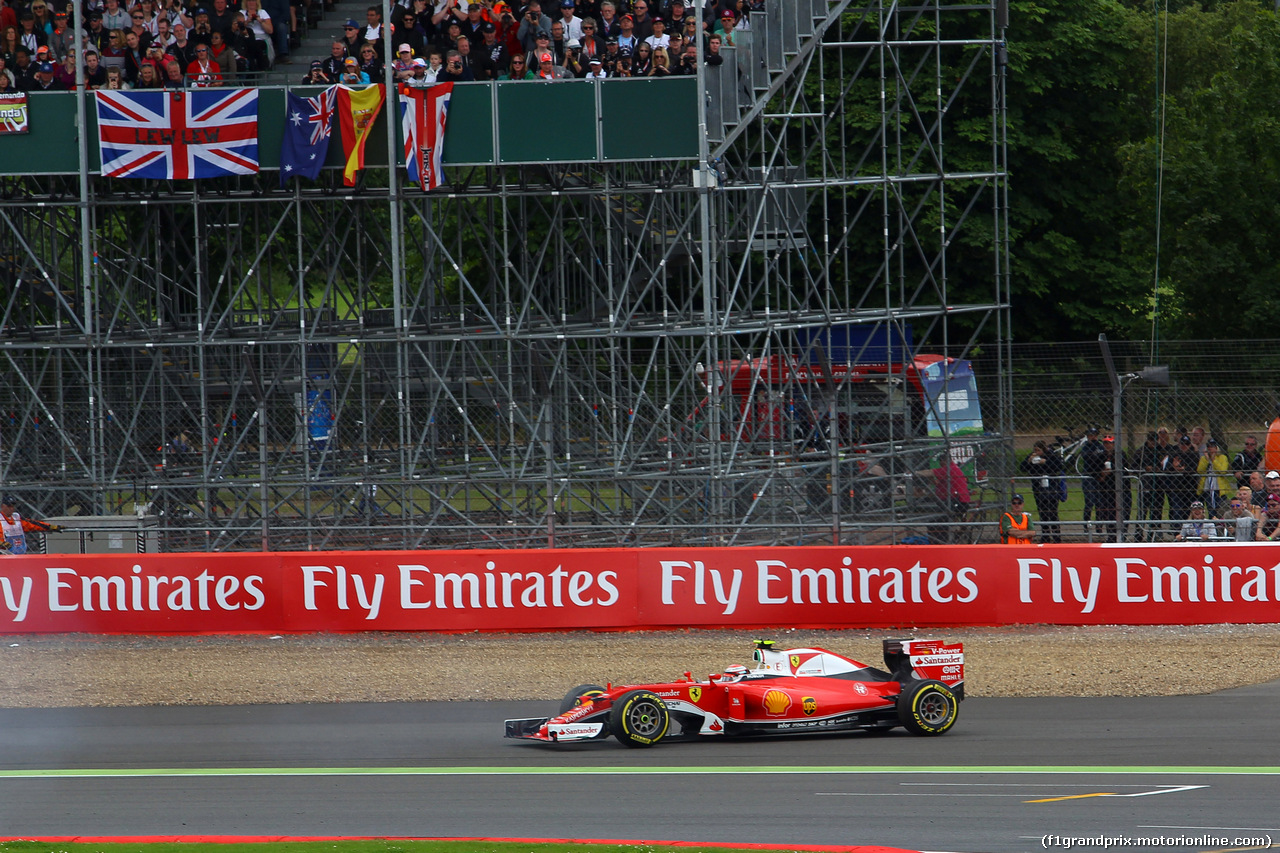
(639, 718)
(927, 707)
(580, 694)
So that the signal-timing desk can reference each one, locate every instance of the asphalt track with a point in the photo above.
(1192, 773)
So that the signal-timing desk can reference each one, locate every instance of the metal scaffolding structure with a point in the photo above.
(579, 354)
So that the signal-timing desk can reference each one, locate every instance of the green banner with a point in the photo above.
(508, 123)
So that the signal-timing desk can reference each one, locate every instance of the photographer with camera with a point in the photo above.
(454, 71)
(688, 63)
(201, 32)
(508, 29)
(572, 62)
(622, 66)
(316, 76)
(532, 23)
(251, 52)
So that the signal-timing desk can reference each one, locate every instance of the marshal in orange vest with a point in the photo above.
(1016, 527)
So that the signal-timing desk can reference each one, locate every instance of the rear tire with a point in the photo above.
(639, 719)
(927, 707)
(579, 695)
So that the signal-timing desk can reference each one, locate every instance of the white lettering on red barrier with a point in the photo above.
(421, 588)
(780, 583)
(70, 591)
(878, 586)
(1137, 581)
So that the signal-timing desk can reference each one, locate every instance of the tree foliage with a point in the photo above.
(1221, 178)
(1094, 169)
(1070, 108)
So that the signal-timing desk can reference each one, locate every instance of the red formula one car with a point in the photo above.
(788, 692)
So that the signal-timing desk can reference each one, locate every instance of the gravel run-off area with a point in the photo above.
(45, 671)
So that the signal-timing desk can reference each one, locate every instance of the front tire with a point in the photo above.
(580, 695)
(639, 719)
(927, 707)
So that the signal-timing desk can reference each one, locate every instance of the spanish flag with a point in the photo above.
(357, 110)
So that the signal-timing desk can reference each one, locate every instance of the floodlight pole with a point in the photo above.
(1117, 472)
(1157, 375)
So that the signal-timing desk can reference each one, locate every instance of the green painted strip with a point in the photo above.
(114, 773)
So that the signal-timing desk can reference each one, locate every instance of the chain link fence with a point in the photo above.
(1223, 391)
(300, 449)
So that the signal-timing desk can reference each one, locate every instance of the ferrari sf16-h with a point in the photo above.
(787, 692)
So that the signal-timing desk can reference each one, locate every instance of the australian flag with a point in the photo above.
(306, 134)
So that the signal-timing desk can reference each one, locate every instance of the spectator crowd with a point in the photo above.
(1188, 486)
(144, 44)
(568, 39)
(164, 44)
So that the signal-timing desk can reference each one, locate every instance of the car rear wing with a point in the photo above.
(913, 660)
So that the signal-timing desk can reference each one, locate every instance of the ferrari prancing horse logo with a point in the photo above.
(695, 693)
(795, 661)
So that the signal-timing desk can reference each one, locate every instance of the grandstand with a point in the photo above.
(537, 353)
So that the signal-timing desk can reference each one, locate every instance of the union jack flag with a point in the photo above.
(423, 115)
(204, 133)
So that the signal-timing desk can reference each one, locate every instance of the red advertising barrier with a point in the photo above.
(889, 586)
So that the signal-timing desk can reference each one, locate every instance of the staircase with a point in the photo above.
(324, 25)
(760, 60)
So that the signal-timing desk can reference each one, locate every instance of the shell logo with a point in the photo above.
(776, 703)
